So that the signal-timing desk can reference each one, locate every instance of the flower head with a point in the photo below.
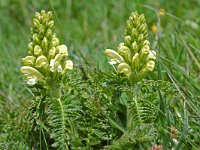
(46, 57)
(133, 57)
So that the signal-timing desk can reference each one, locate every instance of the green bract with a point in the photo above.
(46, 60)
(133, 57)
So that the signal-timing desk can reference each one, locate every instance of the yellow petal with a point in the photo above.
(114, 56)
(124, 68)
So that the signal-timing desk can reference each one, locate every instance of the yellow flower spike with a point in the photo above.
(28, 61)
(113, 56)
(54, 42)
(135, 61)
(124, 68)
(30, 71)
(125, 52)
(62, 49)
(37, 50)
(41, 62)
(135, 50)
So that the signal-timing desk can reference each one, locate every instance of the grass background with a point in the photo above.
(88, 27)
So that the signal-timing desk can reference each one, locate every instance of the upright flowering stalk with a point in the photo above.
(133, 57)
(46, 63)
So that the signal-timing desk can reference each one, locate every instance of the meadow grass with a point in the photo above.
(88, 27)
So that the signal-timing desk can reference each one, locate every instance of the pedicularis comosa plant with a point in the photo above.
(90, 109)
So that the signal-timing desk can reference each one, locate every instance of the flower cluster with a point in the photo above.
(46, 60)
(133, 57)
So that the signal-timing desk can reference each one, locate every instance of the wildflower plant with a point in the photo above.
(133, 57)
(92, 109)
(46, 63)
(44, 69)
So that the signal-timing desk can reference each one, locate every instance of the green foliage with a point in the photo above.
(97, 108)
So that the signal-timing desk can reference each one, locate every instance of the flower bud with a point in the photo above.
(151, 56)
(146, 42)
(125, 52)
(36, 38)
(43, 13)
(37, 16)
(41, 61)
(54, 65)
(44, 44)
(134, 15)
(148, 67)
(154, 28)
(59, 69)
(62, 49)
(36, 23)
(52, 53)
(42, 29)
(134, 33)
(58, 57)
(30, 46)
(28, 61)
(141, 18)
(49, 14)
(54, 42)
(142, 28)
(121, 44)
(124, 68)
(129, 25)
(113, 56)
(127, 40)
(68, 66)
(135, 61)
(140, 38)
(30, 71)
(134, 47)
(48, 33)
(51, 24)
(161, 12)
(144, 53)
(37, 50)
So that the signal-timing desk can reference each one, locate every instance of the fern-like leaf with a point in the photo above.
(62, 115)
(140, 111)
